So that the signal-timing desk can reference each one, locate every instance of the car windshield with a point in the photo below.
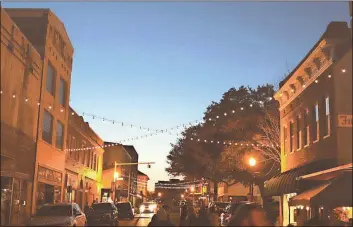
(124, 206)
(62, 210)
(102, 206)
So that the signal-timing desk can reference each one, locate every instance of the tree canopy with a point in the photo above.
(243, 123)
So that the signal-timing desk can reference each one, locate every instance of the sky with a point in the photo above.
(160, 64)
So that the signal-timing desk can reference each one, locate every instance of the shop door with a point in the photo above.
(6, 191)
(49, 194)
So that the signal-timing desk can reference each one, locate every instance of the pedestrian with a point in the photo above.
(162, 217)
(86, 208)
(213, 216)
(203, 219)
(249, 215)
(183, 215)
(154, 221)
(191, 219)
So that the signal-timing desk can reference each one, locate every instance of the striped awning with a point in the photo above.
(287, 182)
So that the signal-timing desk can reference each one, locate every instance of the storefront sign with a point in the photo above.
(49, 175)
(345, 121)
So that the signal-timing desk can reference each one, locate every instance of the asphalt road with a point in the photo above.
(144, 219)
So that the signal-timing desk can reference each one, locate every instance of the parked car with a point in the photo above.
(103, 214)
(125, 210)
(59, 214)
(149, 207)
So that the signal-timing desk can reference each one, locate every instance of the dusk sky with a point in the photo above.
(160, 64)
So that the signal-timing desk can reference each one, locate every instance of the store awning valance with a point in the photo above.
(334, 193)
(286, 182)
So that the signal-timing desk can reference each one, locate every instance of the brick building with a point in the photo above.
(313, 98)
(83, 168)
(21, 71)
(142, 181)
(48, 36)
(127, 186)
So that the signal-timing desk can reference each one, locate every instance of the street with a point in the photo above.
(144, 219)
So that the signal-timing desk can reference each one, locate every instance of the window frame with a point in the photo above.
(298, 133)
(327, 117)
(291, 136)
(285, 139)
(58, 122)
(62, 94)
(306, 128)
(51, 126)
(53, 82)
(316, 123)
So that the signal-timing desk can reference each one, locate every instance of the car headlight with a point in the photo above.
(153, 206)
(142, 207)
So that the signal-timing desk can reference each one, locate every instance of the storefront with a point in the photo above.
(15, 198)
(91, 190)
(71, 187)
(48, 187)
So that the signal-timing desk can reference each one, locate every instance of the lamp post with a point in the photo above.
(192, 189)
(252, 163)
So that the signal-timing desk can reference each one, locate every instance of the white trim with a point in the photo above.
(343, 167)
(308, 83)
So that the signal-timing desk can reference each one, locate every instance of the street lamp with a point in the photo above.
(182, 196)
(192, 189)
(159, 194)
(252, 161)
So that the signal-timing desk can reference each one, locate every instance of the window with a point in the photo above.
(94, 162)
(62, 92)
(291, 132)
(83, 156)
(97, 161)
(299, 132)
(327, 122)
(47, 127)
(91, 161)
(306, 129)
(51, 75)
(315, 122)
(285, 140)
(59, 135)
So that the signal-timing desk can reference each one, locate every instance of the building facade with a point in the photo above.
(48, 36)
(83, 168)
(21, 72)
(125, 183)
(142, 182)
(313, 99)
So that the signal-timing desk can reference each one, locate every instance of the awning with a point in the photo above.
(334, 193)
(286, 182)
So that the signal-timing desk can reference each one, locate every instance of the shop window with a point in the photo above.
(47, 129)
(51, 75)
(59, 135)
(6, 194)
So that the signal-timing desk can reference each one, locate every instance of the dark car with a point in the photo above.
(103, 214)
(229, 211)
(125, 210)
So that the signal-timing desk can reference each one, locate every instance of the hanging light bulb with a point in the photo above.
(233, 111)
(14, 96)
(343, 70)
(225, 114)
(62, 110)
(242, 108)
(72, 113)
(26, 99)
(0, 92)
(316, 81)
(250, 105)
(217, 116)
(50, 107)
(329, 76)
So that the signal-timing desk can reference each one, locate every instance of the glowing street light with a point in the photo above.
(182, 196)
(252, 161)
(192, 189)
(159, 194)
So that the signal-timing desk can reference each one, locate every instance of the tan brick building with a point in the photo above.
(48, 36)
(313, 98)
(21, 71)
(142, 181)
(83, 168)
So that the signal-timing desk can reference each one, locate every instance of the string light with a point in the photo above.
(343, 70)
(316, 81)
(329, 76)
(14, 96)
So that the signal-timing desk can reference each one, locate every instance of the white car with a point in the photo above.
(149, 207)
(60, 214)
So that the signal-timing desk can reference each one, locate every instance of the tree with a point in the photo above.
(241, 116)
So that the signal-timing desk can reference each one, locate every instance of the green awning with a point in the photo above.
(287, 182)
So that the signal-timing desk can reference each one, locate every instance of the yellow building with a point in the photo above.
(83, 168)
(48, 36)
(21, 70)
